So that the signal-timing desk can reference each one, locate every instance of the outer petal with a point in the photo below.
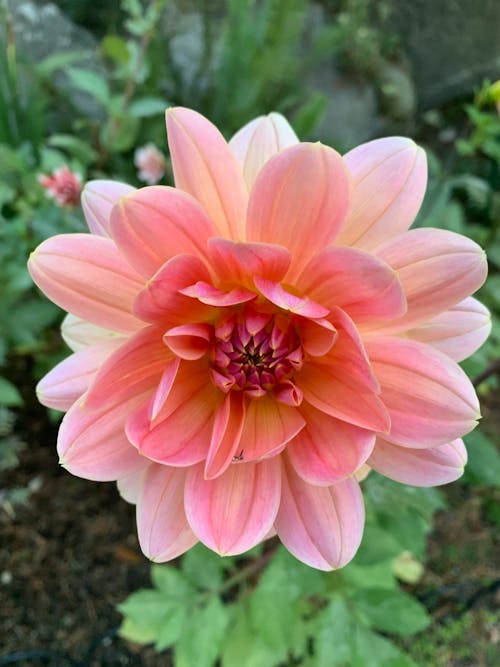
(430, 399)
(420, 467)
(162, 526)
(98, 198)
(389, 179)
(362, 285)
(79, 334)
(258, 141)
(437, 269)
(92, 443)
(86, 275)
(156, 223)
(321, 526)
(234, 512)
(300, 201)
(71, 378)
(327, 449)
(130, 487)
(457, 332)
(204, 166)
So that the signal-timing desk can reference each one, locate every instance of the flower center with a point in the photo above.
(256, 353)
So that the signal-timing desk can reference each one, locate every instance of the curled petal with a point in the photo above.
(389, 178)
(163, 530)
(283, 299)
(204, 166)
(156, 223)
(458, 332)
(321, 526)
(429, 398)
(258, 141)
(188, 341)
(87, 276)
(235, 511)
(226, 434)
(212, 296)
(299, 200)
(79, 334)
(420, 467)
(98, 199)
(317, 336)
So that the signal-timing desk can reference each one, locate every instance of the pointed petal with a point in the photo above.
(79, 334)
(420, 467)
(321, 526)
(188, 341)
(71, 378)
(327, 449)
(299, 305)
(212, 296)
(437, 269)
(204, 167)
(164, 388)
(258, 141)
(299, 200)
(98, 198)
(458, 332)
(429, 398)
(239, 262)
(135, 366)
(234, 512)
(156, 223)
(162, 527)
(362, 285)
(389, 178)
(226, 434)
(86, 275)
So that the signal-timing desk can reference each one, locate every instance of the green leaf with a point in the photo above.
(141, 633)
(9, 395)
(371, 649)
(203, 567)
(363, 576)
(203, 633)
(484, 459)
(332, 640)
(59, 61)
(92, 83)
(76, 147)
(171, 582)
(391, 611)
(146, 606)
(147, 106)
(115, 47)
(170, 628)
(242, 647)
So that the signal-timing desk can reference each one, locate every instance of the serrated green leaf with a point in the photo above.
(201, 640)
(170, 628)
(242, 648)
(171, 582)
(203, 568)
(141, 633)
(363, 576)
(146, 606)
(391, 611)
(332, 646)
(371, 649)
(9, 394)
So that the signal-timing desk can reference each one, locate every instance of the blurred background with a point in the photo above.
(83, 85)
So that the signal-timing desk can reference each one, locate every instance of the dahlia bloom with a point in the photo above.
(63, 185)
(151, 164)
(247, 341)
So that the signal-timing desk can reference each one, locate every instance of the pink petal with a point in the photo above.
(362, 285)
(135, 366)
(212, 296)
(79, 334)
(389, 178)
(98, 198)
(130, 487)
(204, 167)
(188, 341)
(327, 449)
(163, 530)
(161, 300)
(420, 467)
(157, 223)
(258, 141)
(239, 262)
(164, 388)
(300, 201)
(437, 269)
(321, 526)
(86, 275)
(429, 398)
(235, 511)
(92, 443)
(457, 332)
(71, 378)
(226, 434)
(317, 336)
(269, 425)
(299, 305)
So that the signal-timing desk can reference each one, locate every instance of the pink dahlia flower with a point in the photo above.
(151, 164)
(63, 185)
(246, 342)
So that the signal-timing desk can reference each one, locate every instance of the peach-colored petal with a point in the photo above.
(362, 285)
(226, 434)
(437, 269)
(156, 223)
(163, 530)
(235, 511)
(71, 378)
(79, 334)
(212, 296)
(321, 526)
(317, 336)
(327, 449)
(204, 167)
(188, 341)
(429, 398)
(458, 332)
(299, 305)
(299, 200)
(98, 199)
(130, 486)
(164, 388)
(86, 275)
(389, 178)
(258, 141)
(420, 467)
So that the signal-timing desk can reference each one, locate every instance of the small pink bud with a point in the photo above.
(63, 185)
(150, 162)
